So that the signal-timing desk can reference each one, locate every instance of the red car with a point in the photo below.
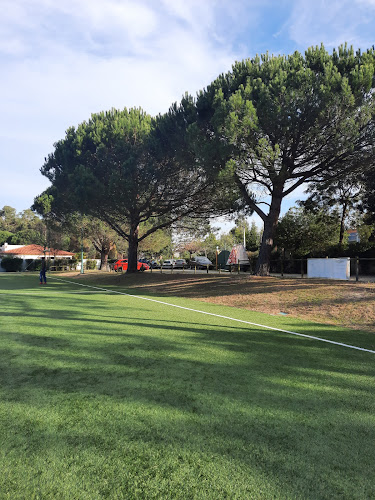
(122, 265)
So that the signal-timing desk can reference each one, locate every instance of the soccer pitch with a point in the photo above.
(109, 395)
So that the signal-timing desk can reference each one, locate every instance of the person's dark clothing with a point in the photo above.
(42, 275)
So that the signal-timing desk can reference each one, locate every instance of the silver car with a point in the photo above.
(168, 264)
(180, 263)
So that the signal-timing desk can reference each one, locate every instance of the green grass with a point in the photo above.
(109, 396)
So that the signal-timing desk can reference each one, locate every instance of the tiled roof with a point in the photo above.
(35, 250)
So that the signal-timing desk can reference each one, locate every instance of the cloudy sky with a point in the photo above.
(63, 60)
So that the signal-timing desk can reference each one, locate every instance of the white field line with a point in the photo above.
(220, 316)
(43, 292)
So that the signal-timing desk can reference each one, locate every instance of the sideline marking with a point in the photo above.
(219, 316)
(45, 293)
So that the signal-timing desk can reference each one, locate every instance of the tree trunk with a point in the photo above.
(342, 224)
(133, 248)
(102, 245)
(104, 259)
(270, 224)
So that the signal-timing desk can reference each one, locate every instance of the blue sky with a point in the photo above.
(63, 60)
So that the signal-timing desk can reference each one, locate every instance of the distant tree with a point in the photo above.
(240, 230)
(8, 219)
(243, 229)
(188, 228)
(254, 238)
(191, 247)
(5, 237)
(342, 194)
(156, 243)
(25, 228)
(189, 234)
(226, 241)
(209, 245)
(366, 229)
(274, 123)
(368, 193)
(28, 220)
(102, 237)
(29, 237)
(303, 232)
(80, 227)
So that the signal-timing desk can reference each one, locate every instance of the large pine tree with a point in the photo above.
(127, 168)
(274, 123)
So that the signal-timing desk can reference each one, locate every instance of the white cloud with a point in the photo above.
(95, 25)
(367, 3)
(65, 84)
(62, 61)
(333, 22)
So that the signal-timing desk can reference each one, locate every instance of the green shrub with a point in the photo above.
(72, 263)
(33, 264)
(90, 264)
(62, 262)
(12, 264)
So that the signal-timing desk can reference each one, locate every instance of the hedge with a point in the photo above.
(12, 264)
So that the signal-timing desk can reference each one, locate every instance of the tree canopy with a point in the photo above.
(252, 137)
(274, 123)
(251, 233)
(342, 193)
(21, 228)
(127, 169)
(368, 194)
(302, 232)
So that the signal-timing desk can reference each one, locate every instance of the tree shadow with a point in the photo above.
(262, 403)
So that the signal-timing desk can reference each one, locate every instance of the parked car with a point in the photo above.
(145, 261)
(168, 264)
(122, 265)
(181, 263)
(200, 263)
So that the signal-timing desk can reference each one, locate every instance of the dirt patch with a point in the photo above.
(342, 303)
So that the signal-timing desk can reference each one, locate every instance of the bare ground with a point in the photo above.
(348, 304)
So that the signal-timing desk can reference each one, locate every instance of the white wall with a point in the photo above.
(337, 269)
(6, 247)
(78, 267)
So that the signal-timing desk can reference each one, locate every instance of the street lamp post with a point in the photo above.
(44, 253)
(82, 271)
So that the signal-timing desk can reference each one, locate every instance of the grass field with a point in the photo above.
(340, 303)
(105, 395)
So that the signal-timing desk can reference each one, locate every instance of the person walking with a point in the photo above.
(42, 275)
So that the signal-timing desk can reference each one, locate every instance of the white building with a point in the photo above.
(32, 252)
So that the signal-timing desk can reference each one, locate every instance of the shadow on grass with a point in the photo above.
(290, 410)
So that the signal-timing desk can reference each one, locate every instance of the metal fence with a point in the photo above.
(360, 267)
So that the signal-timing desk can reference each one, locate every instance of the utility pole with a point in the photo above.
(82, 271)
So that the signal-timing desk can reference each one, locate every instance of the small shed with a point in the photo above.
(222, 258)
